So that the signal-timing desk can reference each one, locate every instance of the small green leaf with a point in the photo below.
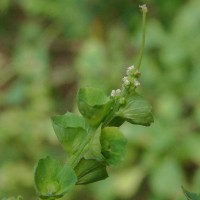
(93, 104)
(113, 145)
(53, 180)
(89, 171)
(136, 110)
(72, 132)
(190, 195)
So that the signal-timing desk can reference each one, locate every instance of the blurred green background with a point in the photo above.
(49, 48)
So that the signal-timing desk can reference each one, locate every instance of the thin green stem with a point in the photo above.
(144, 12)
(110, 116)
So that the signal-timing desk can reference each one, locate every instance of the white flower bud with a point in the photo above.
(130, 69)
(118, 92)
(136, 83)
(143, 8)
(126, 81)
(113, 93)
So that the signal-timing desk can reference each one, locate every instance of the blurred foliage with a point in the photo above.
(190, 195)
(50, 48)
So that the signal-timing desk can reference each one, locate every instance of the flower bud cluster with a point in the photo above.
(129, 81)
(118, 94)
(132, 77)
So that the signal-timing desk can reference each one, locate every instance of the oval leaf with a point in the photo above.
(93, 104)
(53, 180)
(113, 145)
(72, 132)
(136, 110)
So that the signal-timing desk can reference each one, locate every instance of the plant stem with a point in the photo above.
(144, 11)
(111, 114)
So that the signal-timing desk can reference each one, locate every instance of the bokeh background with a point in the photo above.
(50, 48)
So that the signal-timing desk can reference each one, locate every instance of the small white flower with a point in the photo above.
(130, 69)
(113, 93)
(118, 92)
(126, 81)
(136, 83)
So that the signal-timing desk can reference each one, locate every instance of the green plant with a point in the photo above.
(191, 195)
(93, 141)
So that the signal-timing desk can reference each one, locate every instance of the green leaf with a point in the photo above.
(93, 104)
(94, 147)
(89, 171)
(53, 180)
(190, 195)
(73, 133)
(113, 145)
(136, 110)
(116, 121)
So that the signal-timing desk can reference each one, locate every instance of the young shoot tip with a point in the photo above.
(143, 8)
